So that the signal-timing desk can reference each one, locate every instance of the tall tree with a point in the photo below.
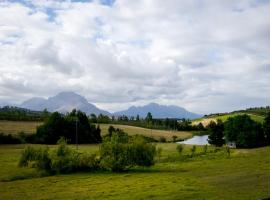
(216, 136)
(266, 128)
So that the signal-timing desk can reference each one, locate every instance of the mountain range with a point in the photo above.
(66, 101)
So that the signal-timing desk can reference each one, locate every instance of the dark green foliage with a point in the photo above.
(205, 147)
(174, 137)
(245, 132)
(38, 157)
(180, 148)
(266, 128)
(9, 139)
(216, 135)
(61, 160)
(193, 151)
(21, 114)
(159, 152)
(120, 152)
(57, 126)
(162, 139)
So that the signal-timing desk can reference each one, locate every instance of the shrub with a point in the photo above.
(61, 160)
(180, 148)
(8, 139)
(159, 152)
(193, 151)
(38, 157)
(205, 147)
(120, 152)
(162, 139)
(174, 137)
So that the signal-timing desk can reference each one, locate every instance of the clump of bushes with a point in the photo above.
(8, 139)
(61, 160)
(121, 152)
(118, 152)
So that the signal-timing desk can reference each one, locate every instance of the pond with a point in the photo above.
(196, 140)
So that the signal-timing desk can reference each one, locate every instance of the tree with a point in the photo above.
(216, 136)
(58, 125)
(148, 118)
(244, 131)
(266, 128)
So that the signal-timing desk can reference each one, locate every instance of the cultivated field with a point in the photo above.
(133, 130)
(245, 175)
(206, 120)
(13, 127)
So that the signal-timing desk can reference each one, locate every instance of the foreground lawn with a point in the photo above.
(244, 175)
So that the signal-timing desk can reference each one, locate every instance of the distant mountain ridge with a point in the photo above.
(63, 102)
(67, 101)
(158, 111)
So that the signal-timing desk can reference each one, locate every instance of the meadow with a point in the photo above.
(13, 127)
(243, 175)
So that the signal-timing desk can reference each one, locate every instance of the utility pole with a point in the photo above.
(77, 133)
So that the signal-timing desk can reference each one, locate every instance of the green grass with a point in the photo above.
(245, 175)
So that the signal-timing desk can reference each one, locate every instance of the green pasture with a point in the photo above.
(243, 175)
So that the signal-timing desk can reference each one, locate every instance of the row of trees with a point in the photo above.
(148, 122)
(21, 114)
(242, 130)
(68, 126)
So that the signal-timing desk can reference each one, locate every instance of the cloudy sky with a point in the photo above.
(204, 55)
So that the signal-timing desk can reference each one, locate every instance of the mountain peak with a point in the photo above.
(63, 102)
(159, 111)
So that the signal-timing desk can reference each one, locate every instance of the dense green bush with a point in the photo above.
(61, 160)
(120, 152)
(9, 139)
(180, 148)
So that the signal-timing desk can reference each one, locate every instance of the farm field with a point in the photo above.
(206, 120)
(133, 130)
(13, 127)
(245, 175)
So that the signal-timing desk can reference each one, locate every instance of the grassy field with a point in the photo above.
(13, 127)
(206, 120)
(132, 130)
(245, 175)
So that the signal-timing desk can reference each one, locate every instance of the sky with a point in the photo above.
(205, 55)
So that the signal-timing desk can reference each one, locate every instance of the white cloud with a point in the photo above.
(207, 56)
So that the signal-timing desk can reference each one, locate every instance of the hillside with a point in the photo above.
(158, 111)
(63, 102)
(256, 114)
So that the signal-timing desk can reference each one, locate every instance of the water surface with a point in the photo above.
(196, 140)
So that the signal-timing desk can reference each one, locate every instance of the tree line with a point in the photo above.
(241, 130)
